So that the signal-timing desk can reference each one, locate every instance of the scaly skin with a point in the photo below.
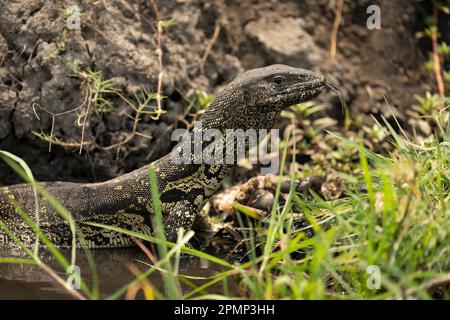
(253, 100)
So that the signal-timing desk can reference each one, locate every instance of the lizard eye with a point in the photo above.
(278, 79)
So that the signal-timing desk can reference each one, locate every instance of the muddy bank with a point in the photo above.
(205, 46)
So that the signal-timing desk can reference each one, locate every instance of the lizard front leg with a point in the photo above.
(179, 215)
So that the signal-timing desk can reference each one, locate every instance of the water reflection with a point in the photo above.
(26, 281)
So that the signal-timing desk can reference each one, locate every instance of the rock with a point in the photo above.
(285, 40)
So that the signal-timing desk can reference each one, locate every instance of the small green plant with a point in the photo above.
(196, 108)
(99, 89)
(99, 93)
(440, 50)
(203, 100)
(66, 13)
(429, 114)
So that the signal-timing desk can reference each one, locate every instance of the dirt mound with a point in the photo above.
(206, 46)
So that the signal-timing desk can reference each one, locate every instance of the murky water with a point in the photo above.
(24, 281)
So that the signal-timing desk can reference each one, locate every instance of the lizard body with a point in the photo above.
(252, 101)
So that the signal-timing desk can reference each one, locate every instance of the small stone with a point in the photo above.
(264, 200)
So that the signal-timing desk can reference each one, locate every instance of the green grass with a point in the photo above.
(392, 216)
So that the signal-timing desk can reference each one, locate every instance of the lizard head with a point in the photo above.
(256, 97)
(279, 86)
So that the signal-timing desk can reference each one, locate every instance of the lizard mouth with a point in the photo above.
(300, 92)
(302, 87)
